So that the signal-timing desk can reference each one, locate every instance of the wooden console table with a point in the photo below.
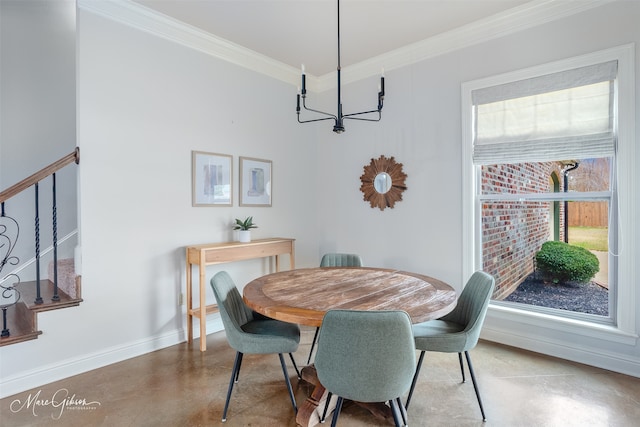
(217, 253)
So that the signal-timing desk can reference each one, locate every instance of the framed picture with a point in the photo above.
(211, 179)
(255, 182)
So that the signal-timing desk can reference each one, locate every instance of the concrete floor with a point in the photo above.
(180, 386)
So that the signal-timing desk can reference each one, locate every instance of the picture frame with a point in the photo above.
(255, 182)
(211, 179)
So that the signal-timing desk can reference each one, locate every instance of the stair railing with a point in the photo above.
(10, 231)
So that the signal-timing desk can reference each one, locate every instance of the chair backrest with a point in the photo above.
(233, 311)
(472, 306)
(366, 356)
(341, 260)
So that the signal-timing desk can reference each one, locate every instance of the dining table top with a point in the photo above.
(304, 295)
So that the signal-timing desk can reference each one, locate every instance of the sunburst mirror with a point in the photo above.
(383, 182)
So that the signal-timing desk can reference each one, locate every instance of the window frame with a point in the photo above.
(591, 196)
(623, 328)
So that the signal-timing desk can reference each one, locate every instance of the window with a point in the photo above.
(522, 207)
(542, 156)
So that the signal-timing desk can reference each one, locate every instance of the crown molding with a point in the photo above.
(526, 16)
(147, 20)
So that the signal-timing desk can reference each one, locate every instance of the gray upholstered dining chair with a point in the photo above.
(340, 260)
(458, 331)
(366, 356)
(335, 260)
(251, 333)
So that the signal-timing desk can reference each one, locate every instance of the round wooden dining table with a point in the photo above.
(303, 296)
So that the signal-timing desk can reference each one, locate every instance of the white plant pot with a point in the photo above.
(244, 236)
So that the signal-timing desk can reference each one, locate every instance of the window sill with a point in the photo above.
(584, 328)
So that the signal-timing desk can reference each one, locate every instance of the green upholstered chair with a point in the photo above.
(335, 260)
(458, 331)
(251, 333)
(366, 356)
(340, 260)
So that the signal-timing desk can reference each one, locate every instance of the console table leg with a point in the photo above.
(189, 304)
(203, 308)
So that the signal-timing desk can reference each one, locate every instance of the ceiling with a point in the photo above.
(298, 32)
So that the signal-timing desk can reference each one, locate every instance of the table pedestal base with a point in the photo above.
(310, 411)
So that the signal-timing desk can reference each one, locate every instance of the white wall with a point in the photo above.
(421, 127)
(38, 112)
(145, 103)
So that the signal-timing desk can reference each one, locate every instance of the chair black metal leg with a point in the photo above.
(313, 344)
(326, 406)
(475, 385)
(286, 379)
(395, 412)
(238, 370)
(295, 366)
(336, 412)
(403, 411)
(234, 376)
(464, 380)
(415, 379)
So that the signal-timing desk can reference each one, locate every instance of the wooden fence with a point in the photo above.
(588, 214)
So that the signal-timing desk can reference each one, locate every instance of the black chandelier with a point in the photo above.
(339, 118)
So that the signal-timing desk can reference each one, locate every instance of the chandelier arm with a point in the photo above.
(350, 115)
(364, 118)
(314, 120)
(330, 116)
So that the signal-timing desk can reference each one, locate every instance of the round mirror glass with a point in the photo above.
(382, 182)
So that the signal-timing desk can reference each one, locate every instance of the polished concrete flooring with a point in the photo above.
(180, 386)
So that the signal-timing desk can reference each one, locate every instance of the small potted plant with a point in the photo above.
(244, 227)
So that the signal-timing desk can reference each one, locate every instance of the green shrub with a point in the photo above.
(560, 262)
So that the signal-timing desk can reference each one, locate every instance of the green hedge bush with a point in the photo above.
(560, 262)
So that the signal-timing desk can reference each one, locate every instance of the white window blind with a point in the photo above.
(558, 116)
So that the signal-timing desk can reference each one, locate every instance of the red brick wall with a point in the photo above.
(514, 231)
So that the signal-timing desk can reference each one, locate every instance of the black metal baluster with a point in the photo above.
(37, 226)
(55, 297)
(5, 331)
(9, 233)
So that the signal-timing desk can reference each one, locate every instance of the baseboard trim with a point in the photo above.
(601, 359)
(46, 374)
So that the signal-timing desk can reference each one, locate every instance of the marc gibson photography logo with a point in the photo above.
(58, 402)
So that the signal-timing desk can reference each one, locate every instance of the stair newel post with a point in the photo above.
(55, 296)
(38, 299)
